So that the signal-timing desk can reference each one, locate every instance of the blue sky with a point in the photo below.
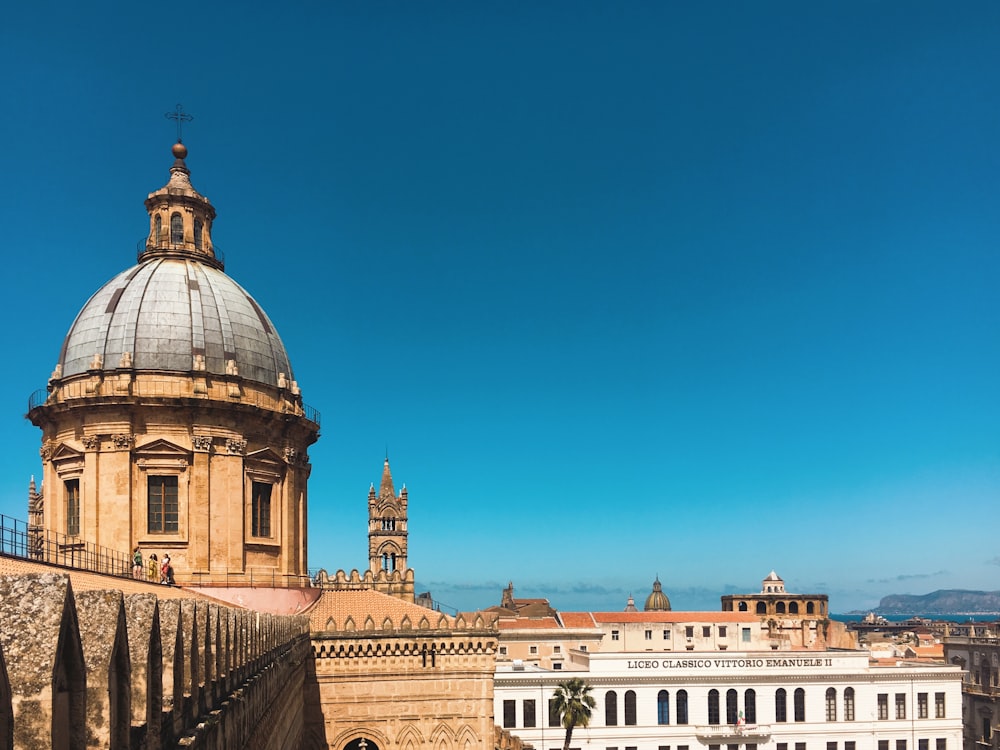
(694, 290)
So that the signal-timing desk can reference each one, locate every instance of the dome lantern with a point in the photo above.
(180, 218)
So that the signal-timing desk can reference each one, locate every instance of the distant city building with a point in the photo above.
(976, 649)
(686, 680)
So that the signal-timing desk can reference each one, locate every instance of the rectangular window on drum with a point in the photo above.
(260, 524)
(162, 504)
(72, 487)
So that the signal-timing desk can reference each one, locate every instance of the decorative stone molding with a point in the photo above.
(46, 450)
(202, 443)
(290, 454)
(122, 441)
(237, 446)
(91, 442)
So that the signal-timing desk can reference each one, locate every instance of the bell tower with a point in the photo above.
(386, 526)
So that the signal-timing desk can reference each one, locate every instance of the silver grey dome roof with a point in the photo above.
(166, 314)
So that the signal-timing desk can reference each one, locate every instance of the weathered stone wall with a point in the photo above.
(107, 670)
(397, 687)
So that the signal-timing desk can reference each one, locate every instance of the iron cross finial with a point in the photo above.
(180, 116)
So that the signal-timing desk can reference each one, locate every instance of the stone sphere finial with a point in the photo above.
(179, 150)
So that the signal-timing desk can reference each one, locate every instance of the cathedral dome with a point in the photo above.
(176, 310)
(657, 601)
(175, 313)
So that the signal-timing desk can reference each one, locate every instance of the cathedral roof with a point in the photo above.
(177, 309)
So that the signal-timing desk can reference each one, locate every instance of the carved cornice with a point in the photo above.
(46, 450)
(122, 441)
(91, 442)
(202, 443)
(236, 446)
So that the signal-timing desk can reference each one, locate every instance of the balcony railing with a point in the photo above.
(751, 733)
(250, 578)
(141, 248)
(39, 397)
(311, 414)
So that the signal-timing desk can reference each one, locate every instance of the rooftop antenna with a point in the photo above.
(180, 117)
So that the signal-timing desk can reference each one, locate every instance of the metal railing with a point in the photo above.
(142, 247)
(311, 414)
(250, 578)
(17, 539)
(38, 398)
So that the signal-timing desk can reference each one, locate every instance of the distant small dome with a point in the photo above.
(630, 605)
(657, 601)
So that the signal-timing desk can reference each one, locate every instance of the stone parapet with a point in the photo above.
(103, 670)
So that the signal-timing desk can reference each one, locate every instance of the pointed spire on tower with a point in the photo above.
(385, 488)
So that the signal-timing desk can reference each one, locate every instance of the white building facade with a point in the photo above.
(786, 700)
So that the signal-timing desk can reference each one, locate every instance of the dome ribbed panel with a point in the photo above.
(166, 311)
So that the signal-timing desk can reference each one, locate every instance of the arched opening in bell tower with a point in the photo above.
(361, 743)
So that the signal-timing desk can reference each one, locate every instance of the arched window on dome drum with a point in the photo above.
(750, 706)
(743, 606)
(761, 608)
(810, 609)
(630, 708)
(176, 229)
(682, 707)
(780, 608)
(731, 710)
(197, 233)
(159, 228)
(793, 608)
(663, 707)
(713, 706)
(611, 708)
(831, 704)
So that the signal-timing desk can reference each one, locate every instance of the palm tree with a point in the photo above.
(573, 704)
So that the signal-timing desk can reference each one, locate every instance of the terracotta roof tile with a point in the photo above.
(577, 619)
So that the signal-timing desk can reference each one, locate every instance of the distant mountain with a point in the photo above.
(943, 602)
